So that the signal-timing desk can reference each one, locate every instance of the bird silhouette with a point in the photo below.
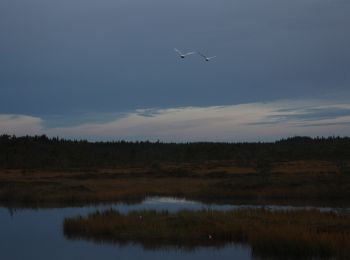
(183, 55)
(205, 57)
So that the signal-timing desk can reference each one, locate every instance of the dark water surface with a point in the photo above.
(38, 234)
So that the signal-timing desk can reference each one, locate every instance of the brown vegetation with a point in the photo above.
(281, 234)
(312, 182)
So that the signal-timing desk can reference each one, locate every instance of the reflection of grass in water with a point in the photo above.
(271, 234)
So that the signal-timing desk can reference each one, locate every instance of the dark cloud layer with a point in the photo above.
(106, 69)
(312, 114)
(70, 57)
(306, 116)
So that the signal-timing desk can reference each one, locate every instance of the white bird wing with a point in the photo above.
(189, 53)
(179, 52)
(211, 57)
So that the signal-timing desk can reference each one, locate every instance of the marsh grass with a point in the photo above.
(314, 182)
(280, 234)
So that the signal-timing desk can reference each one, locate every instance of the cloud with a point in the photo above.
(314, 114)
(329, 124)
(20, 125)
(243, 122)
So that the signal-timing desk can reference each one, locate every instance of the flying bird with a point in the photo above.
(183, 55)
(205, 57)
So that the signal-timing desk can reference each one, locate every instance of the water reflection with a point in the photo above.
(175, 204)
(37, 233)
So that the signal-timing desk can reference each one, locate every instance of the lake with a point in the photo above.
(38, 233)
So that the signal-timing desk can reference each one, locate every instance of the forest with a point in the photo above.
(42, 152)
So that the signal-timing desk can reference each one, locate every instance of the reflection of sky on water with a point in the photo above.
(37, 233)
(174, 204)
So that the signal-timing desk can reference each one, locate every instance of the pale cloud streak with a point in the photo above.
(20, 125)
(243, 122)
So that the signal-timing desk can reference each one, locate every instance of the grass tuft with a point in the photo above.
(280, 234)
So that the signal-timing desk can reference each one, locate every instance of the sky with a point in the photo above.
(107, 70)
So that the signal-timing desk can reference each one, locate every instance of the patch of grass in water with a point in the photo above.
(280, 234)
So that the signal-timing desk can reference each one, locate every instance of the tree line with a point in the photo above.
(42, 152)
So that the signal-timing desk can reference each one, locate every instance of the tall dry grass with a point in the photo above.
(270, 233)
(288, 182)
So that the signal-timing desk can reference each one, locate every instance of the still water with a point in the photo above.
(38, 234)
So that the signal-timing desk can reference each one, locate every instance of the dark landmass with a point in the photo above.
(41, 152)
(39, 171)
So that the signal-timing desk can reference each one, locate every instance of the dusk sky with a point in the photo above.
(107, 70)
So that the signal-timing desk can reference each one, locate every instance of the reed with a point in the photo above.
(281, 234)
